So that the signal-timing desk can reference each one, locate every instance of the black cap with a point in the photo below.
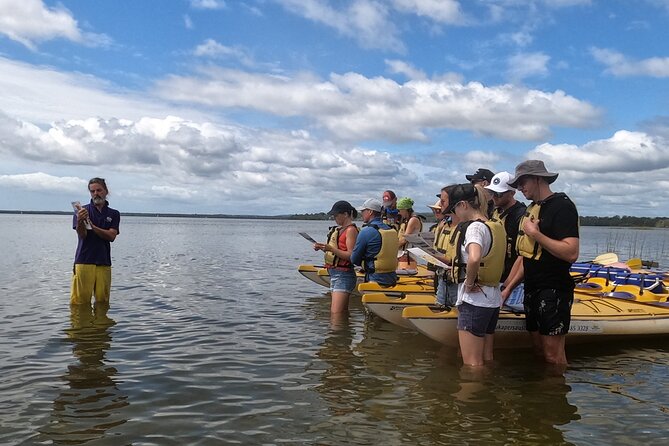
(342, 206)
(480, 175)
(461, 192)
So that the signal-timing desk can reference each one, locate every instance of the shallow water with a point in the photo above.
(214, 338)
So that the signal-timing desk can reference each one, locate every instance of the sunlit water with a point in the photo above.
(213, 338)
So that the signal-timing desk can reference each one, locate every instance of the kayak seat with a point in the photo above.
(406, 272)
(595, 285)
(589, 286)
(621, 295)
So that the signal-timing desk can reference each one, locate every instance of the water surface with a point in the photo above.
(213, 338)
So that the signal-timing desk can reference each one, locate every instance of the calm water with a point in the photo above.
(213, 338)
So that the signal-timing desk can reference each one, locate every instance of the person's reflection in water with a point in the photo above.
(544, 406)
(93, 403)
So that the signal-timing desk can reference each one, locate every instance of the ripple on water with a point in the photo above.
(212, 338)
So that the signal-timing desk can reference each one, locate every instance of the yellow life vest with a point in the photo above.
(386, 260)
(492, 263)
(403, 226)
(441, 237)
(329, 257)
(526, 246)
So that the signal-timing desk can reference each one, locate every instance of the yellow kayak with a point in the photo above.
(320, 276)
(594, 319)
(390, 308)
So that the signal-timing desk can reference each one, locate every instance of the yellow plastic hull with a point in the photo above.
(594, 319)
(390, 308)
(418, 283)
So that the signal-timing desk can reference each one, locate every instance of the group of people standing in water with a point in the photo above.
(498, 250)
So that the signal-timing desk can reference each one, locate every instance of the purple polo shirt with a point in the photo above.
(94, 250)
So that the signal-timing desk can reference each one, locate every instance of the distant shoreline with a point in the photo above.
(319, 216)
(617, 221)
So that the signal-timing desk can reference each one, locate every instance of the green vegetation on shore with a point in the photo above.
(624, 221)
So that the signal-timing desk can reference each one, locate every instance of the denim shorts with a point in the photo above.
(548, 311)
(343, 281)
(479, 321)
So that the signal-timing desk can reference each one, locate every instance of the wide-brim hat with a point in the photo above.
(532, 167)
(436, 205)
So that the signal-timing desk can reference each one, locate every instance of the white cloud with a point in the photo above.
(208, 4)
(213, 49)
(619, 65)
(524, 65)
(625, 174)
(367, 21)
(354, 107)
(188, 22)
(42, 182)
(566, 3)
(48, 95)
(31, 21)
(177, 160)
(401, 67)
(625, 152)
(444, 11)
(198, 149)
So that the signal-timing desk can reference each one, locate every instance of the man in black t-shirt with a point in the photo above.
(548, 243)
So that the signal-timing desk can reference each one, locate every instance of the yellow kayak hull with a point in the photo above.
(594, 319)
(390, 308)
(419, 282)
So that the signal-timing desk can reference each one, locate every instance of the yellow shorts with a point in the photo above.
(88, 280)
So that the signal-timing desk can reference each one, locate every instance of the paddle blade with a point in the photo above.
(635, 263)
(606, 258)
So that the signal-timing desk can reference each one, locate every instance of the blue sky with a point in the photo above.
(285, 106)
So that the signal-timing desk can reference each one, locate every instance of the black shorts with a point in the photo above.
(479, 321)
(548, 311)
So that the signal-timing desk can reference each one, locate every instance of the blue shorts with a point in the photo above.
(342, 281)
(479, 321)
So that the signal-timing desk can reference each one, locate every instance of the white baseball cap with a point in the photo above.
(372, 204)
(499, 182)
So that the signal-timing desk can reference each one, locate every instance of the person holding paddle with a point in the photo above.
(547, 244)
(340, 242)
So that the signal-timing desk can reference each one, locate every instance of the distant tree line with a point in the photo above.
(626, 221)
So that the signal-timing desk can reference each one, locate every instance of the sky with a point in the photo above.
(273, 107)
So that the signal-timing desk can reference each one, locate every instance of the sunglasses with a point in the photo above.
(498, 194)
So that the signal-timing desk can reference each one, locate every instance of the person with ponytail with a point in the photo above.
(337, 253)
(478, 247)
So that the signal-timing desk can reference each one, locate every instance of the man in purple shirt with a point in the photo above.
(97, 226)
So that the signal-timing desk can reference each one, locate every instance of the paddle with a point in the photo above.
(635, 263)
(606, 258)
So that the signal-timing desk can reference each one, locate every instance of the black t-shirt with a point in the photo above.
(558, 219)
